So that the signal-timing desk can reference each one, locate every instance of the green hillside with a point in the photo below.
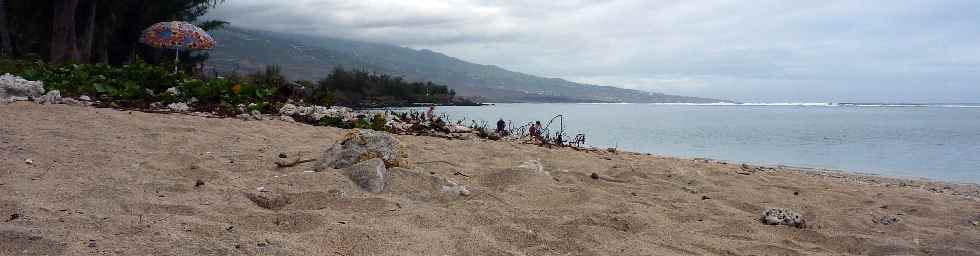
(311, 58)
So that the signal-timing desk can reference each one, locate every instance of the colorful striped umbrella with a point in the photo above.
(177, 35)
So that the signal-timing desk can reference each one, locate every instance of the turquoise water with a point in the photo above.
(936, 141)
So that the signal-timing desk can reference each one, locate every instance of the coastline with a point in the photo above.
(133, 174)
(837, 138)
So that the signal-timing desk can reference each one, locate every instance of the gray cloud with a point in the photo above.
(768, 50)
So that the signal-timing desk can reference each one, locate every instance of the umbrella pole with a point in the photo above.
(177, 60)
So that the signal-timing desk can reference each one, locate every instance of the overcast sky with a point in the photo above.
(752, 51)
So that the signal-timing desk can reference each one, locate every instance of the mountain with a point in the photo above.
(311, 58)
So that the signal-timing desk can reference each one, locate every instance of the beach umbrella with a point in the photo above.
(177, 35)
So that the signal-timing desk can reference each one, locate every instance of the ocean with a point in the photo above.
(935, 141)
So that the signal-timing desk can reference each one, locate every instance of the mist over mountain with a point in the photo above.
(312, 57)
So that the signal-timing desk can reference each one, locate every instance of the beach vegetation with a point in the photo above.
(360, 88)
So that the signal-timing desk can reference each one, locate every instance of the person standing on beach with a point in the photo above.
(430, 115)
(533, 130)
(539, 129)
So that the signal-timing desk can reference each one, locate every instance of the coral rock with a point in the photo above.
(782, 216)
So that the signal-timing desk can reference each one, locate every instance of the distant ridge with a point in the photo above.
(310, 58)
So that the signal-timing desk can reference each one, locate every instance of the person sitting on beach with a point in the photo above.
(501, 127)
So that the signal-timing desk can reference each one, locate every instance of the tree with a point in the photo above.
(5, 45)
(86, 30)
(64, 39)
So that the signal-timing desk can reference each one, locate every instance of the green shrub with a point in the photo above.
(140, 84)
(227, 95)
(336, 122)
(14, 66)
(134, 84)
(378, 122)
(272, 79)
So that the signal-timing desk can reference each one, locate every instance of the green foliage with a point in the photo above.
(140, 84)
(12, 66)
(336, 122)
(212, 25)
(129, 84)
(272, 79)
(378, 122)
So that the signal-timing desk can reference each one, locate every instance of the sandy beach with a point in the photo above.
(90, 181)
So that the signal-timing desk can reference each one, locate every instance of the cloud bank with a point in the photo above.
(767, 50)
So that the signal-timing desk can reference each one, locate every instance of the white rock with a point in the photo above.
(255, 115)
(533, 166)
(14, 88)
(288, 110)
(317, 112)
(52, 97)
(173, 91)
(29, 161)
(179, 107)
(456, 128)
(456, 189)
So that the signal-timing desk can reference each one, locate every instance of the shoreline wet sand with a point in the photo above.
(103, 181)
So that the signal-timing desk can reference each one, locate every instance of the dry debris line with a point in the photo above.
(284, 160)
(295, 163)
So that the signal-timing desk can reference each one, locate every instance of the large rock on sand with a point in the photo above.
(360, 145)
(14, 88)
(371, 175)
(782, 216)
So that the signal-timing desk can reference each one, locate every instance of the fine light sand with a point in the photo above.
(110, 182)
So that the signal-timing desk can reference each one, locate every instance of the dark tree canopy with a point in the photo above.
(89, 31)
(357, 87)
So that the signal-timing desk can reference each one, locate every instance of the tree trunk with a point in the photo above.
(100, 51)
(64, 40)
(5, 45)
(86, 30)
